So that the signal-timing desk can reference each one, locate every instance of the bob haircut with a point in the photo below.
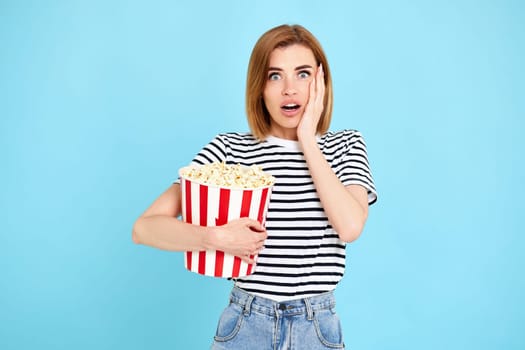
(281, 37)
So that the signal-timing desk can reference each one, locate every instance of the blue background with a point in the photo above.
(102, 101)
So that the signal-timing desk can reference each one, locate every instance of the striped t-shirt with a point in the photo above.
(303, 255)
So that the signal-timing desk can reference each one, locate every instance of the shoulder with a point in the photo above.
(237, 139)
(347, 137)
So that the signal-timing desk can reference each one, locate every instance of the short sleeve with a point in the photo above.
(214, 151)
(354, 168)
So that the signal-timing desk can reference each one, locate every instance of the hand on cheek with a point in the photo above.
(314, 108)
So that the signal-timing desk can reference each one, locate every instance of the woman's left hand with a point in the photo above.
(314, 108)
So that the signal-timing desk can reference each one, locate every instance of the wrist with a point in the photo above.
(208, 237)
(308, 142)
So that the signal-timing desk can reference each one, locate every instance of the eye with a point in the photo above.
(304, 74)
(274, 76)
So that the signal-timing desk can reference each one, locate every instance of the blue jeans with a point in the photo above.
(254, 323)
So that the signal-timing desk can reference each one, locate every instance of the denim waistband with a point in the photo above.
(307, 306)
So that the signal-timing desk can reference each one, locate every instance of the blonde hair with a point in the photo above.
(280, 37)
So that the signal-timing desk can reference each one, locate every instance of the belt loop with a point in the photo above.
(248, 305)
(309, 311)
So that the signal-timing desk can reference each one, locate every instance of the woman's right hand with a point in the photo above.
(242, 237)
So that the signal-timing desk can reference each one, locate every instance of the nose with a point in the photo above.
(289, 88)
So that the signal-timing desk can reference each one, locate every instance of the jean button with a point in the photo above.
(282, 307)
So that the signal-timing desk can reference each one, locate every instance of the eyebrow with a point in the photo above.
(305, 66)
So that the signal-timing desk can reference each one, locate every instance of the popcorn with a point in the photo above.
(225, 175)
(213, 195)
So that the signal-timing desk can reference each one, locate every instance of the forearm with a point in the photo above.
(170, 233)
(344, 211)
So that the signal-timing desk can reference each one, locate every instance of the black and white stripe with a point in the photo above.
(303, 255)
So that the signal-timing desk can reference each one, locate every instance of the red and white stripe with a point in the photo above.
(213, 206)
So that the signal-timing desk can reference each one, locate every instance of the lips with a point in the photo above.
(290, 108)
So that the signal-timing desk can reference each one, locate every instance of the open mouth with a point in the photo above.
(291, 107)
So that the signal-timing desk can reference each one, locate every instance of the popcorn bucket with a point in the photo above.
(210, 205)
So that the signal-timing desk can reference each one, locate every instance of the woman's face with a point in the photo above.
(286, 93)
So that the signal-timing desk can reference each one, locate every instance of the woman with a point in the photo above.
(319, 202)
